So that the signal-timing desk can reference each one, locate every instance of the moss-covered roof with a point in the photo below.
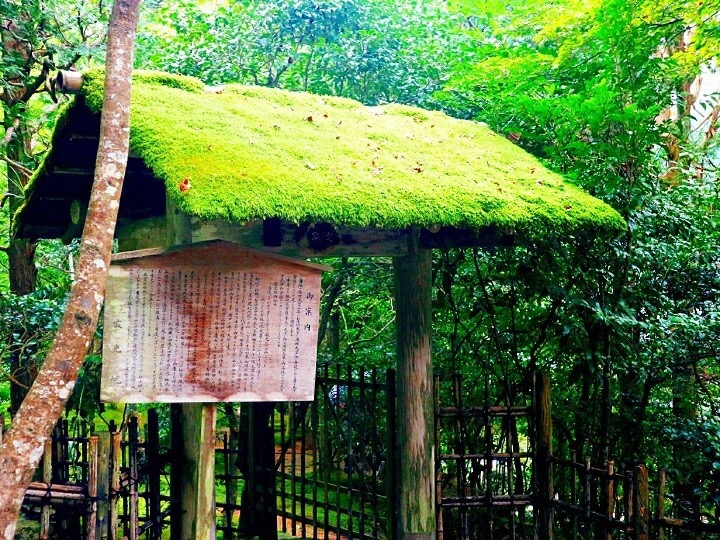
(246, 153)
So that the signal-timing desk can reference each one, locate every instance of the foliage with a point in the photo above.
(27, 325)
(608, 98)
(627, 325)
(601, 91)
(375, 52)
(38, 38)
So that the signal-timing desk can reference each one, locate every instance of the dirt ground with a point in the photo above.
(321, 534)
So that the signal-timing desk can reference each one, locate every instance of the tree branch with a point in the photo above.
(11, 378)
(33, 87)
(331, 295)
(11, 131)
(26, 172)
(6, 197)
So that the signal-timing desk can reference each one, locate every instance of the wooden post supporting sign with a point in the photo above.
(198, 486)
(413, 293)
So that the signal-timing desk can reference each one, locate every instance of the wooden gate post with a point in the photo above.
(103, 488)
(413, 294)
(93, 470)
(47, 479)
(543, 464)
(641, 514)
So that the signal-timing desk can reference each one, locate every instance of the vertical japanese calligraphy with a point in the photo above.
(211, 322)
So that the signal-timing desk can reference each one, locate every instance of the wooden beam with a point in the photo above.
(451, 237)
(641, 505)
(103, 491)
(413, 294)
(297, 240)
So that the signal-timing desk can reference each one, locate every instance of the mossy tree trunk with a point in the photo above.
(22, 447)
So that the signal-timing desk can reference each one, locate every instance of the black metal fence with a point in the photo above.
(326, 469)
(314, 469)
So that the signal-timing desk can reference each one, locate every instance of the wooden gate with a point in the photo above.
(486, 477)
(316, 469)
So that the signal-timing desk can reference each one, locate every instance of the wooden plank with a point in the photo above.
(53, 497)
(489, 473)
(134, 477)
(296, 240)
(45, 487)
(152, 451)
(413, 293)
(453, 238)
(609, 497)
(115, 460)
(210, 322)
(177, 471)
(193, 438)
(587, 498)
(224, 250)
(661, 505)
(573, 494)
(641, 515)
(438, 463)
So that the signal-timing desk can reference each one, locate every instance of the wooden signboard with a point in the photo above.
(210, 322)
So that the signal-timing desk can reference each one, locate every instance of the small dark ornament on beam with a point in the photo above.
(272, 232)
(318, 237)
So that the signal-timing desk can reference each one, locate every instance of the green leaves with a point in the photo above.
(584, 88)
(375, 52)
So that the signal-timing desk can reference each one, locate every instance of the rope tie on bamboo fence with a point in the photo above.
(47, 497)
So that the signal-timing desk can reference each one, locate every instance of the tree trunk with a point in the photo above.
(21, 252)
(22, 447)
(21, 260)
(22, 273)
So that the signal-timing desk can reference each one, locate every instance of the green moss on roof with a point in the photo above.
(251, 152)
